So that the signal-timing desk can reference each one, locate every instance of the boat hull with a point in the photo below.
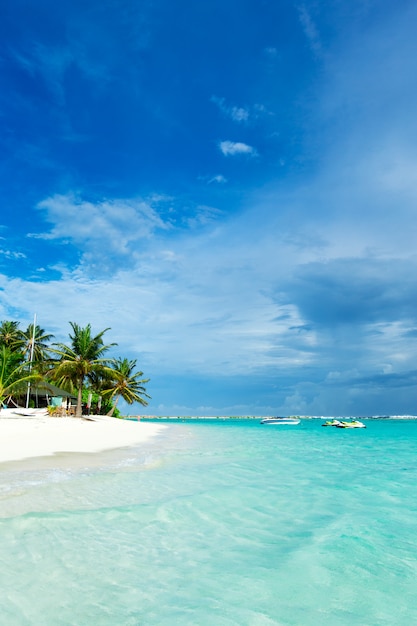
(280, 421)
(345, 424)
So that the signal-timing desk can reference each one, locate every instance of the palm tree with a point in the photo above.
(80, 360)
(9, 334)
(14, 375)
(125, 383)
(34, 342)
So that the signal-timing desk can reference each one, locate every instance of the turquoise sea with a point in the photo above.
(223, 523)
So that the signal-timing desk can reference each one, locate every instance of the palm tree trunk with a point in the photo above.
(110, 413)
(79, 409)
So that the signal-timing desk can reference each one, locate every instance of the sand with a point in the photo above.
(38, 435)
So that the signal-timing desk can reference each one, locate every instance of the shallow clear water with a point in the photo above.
(225, 523)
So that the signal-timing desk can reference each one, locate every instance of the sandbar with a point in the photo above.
(25, 437)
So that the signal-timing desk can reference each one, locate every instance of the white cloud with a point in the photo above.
(203, 216)
(231, 148)
(239, 114)
(12, 254)
(236, 113)
(217, 179)
(187, 320)
(103, 231)
(186, 306)
(81, 220)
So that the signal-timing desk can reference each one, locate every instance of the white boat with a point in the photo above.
(282, 421)
(351, 424)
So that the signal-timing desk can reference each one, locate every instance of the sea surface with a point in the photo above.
(217, 523)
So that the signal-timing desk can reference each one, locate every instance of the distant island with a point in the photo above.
(259, 417)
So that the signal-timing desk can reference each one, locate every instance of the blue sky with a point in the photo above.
(231, 186)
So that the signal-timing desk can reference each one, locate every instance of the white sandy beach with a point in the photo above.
(24, 437)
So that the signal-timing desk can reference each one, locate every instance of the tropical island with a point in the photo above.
(41, 380)
(30, 364)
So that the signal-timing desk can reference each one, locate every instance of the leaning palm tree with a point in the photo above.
(35, 343)
(14, 375)
(79, 361)
(125, 383)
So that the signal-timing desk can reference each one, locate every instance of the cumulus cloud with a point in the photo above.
(186, 319)
(107, 220)
(231, 148)
(104, 232)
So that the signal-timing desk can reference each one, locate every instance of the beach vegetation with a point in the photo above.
(79, 361)
(124, 382)
(14, 374)
(80, 367)
(99, 405)
(9, 334)
(34, 343)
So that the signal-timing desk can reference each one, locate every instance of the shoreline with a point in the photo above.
(30, 436)
(145, 418)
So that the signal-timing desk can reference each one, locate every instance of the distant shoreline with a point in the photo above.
(259, 417)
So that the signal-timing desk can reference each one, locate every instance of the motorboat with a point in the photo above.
(332, 423)
(282, 421)
(351, 424)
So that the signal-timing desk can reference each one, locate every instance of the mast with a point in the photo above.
(32, 348)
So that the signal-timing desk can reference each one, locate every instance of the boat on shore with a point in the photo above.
(281, 421)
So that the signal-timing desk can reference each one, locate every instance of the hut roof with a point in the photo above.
(47, 389)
